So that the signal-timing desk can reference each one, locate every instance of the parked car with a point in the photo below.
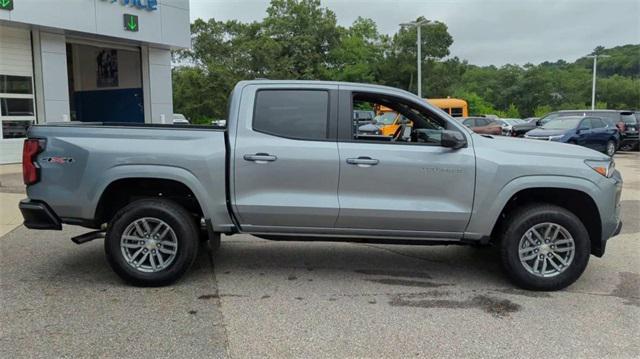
(483, 125)
(519, 130)
(629, 138)
(615, 118)
(180, 119)
(289, 167)
(592, 132)
(507, 124)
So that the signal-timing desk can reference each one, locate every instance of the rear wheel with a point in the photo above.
(611, 148)
(544, 247)
(151, 242)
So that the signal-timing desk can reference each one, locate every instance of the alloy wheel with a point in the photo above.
(149, 244)
(546, 249)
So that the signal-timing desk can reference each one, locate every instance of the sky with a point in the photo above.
(485, 32)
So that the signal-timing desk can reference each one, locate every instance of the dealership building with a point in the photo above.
(86, 60)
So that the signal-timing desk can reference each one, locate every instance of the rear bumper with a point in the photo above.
(38, 215)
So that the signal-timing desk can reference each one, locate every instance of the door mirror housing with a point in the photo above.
(581, 129)
(453, 139)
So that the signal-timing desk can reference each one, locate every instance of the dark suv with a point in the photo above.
(612, 117)
(629, 140)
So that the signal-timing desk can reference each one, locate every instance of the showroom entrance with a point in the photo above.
(105, 83)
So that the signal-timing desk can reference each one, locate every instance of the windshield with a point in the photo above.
(386, 118)
(563, 123)
(548, 118)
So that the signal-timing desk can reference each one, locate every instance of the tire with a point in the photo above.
(154, 260)
(610, 150)
(528, 274)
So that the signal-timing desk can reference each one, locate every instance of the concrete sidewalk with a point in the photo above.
(11, 192)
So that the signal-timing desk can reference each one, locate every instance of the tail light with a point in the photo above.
(30, 169)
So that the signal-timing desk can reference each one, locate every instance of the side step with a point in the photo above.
(87, 237)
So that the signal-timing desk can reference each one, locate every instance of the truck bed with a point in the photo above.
(82, 159)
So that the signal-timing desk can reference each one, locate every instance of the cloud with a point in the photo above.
(485, 32)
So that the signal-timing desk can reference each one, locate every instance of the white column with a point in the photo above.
(159, 88)
(51, 77)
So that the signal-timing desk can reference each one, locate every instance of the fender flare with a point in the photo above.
(486, 215)
(127, 171)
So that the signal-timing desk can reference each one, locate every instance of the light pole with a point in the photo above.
(593, 85)
(418, 25)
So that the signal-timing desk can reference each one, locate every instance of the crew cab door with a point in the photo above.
(601, 133)
(406, 185)
(285, 158)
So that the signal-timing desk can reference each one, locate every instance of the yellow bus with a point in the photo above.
(453, 106)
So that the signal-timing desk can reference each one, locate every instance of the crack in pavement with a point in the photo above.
(218, 301)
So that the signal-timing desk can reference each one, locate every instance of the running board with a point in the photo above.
(87, 237)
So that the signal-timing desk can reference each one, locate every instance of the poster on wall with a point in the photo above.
(107, 75)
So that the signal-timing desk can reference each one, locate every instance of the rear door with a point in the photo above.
(601, 133)
(285, 159)
(584, 135)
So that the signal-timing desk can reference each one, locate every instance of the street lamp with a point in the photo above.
(418, 25)
(593, 85)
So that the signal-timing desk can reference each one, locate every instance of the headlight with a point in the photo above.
(554, 138)
(605, 168)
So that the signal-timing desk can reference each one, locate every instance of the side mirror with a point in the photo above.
(581, 129)
(453, 139)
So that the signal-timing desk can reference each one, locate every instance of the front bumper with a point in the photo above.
(38, 215)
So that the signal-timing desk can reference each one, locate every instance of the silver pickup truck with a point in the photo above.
(291, 165)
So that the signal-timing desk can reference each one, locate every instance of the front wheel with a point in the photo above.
(544, 247)
(151, 242)
(611, 148)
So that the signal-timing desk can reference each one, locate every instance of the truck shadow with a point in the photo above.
(399, 265)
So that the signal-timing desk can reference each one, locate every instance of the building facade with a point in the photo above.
(86, 60)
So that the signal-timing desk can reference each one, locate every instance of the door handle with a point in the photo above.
(260, 158)
(362, 161)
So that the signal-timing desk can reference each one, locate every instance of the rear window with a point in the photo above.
(628, 119)
(300, 114)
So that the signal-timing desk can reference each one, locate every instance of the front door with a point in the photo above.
(286, 160)
(406, 184)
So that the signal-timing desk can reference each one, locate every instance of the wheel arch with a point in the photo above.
(125, 183)
(572, 193)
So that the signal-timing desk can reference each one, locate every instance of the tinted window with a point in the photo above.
(292, 113)
(16, 107)
(468, 123)
(481, 122)
(597, 123)
(562, 123)
(15, 129)
(456, 111)
(628, 118)
(15, 84)
(586, 123)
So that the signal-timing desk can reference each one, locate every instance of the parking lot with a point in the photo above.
(255, 298)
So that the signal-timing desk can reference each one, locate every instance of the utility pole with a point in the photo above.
(593, 84)
(418, 25)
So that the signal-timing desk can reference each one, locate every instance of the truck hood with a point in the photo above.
(540, 148)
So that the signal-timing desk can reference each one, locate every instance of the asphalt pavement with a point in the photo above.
(256, 298)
